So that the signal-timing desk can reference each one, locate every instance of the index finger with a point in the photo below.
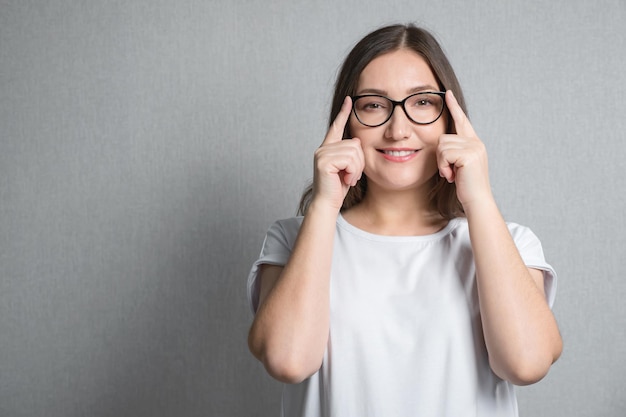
(461, 122)
(335, 132)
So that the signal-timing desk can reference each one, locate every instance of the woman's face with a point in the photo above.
(399, 154)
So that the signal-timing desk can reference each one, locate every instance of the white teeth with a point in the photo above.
(398, 153)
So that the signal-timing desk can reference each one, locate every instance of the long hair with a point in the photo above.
(384, 40)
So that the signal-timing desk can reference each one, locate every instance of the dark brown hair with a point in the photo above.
(384, 40)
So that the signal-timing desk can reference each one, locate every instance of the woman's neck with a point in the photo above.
(395, 213)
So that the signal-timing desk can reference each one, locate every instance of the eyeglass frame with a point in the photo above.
(401, 103)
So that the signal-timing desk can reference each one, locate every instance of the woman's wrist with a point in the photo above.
(323, 209)
(485, 205)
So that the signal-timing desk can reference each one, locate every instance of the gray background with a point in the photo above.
(146, 146)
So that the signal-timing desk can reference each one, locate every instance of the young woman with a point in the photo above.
(401, 291)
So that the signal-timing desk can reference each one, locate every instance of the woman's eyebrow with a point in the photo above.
(371, 91)
(426, 87)
(413, 90)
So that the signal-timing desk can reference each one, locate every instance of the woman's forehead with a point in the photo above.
(399, 72)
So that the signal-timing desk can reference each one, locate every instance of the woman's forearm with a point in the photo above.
(290, 330)
(520, 330)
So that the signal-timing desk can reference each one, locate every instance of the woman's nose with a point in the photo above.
(399, 125)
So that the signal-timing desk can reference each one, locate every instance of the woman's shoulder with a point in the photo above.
(285, 230)
(460, 227)
(288, 224)
(512, 226)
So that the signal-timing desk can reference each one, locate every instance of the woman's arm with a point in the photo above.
(290, 330)
(520, 331)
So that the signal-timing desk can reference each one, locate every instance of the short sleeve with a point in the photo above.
(276, 250)
(531, 251)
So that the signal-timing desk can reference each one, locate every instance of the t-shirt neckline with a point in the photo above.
(343, 224)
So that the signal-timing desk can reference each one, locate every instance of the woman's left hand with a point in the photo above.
(462, 158)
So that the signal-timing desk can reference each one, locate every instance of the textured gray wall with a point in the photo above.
(146, 146)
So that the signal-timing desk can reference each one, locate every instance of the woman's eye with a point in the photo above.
(371, 106)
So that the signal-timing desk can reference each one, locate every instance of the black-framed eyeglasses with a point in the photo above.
(422, 108)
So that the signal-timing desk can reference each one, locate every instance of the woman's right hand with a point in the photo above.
(338, 163)
(290, 331)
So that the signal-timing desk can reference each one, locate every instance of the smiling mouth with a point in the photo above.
(398, 153)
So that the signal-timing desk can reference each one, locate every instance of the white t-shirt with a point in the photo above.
(405, 332)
